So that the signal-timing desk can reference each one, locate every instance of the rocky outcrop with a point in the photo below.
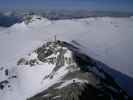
(85, 79)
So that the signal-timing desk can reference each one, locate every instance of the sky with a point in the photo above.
(113, 5)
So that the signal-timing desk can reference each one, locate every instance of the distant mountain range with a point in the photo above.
(8, 18)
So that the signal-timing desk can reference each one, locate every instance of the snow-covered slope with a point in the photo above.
(58, 69)
(106, 39)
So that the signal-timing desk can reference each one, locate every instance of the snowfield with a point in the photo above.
(104, 38)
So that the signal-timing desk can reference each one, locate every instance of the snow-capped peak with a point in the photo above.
(30, 19)
(57, 69)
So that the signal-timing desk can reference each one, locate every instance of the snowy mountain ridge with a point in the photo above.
(34, 18)
(54, 67)
(104, 38)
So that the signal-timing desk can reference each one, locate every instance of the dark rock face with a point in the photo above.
(98, 94)
(85, 80)
(5, 83)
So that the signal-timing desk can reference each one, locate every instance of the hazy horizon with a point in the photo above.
(92, 5)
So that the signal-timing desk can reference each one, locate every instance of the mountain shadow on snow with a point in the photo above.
(86, 78)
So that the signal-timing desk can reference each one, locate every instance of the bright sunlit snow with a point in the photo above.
(106, 39)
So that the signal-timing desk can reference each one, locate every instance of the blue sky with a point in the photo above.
(115, 5)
